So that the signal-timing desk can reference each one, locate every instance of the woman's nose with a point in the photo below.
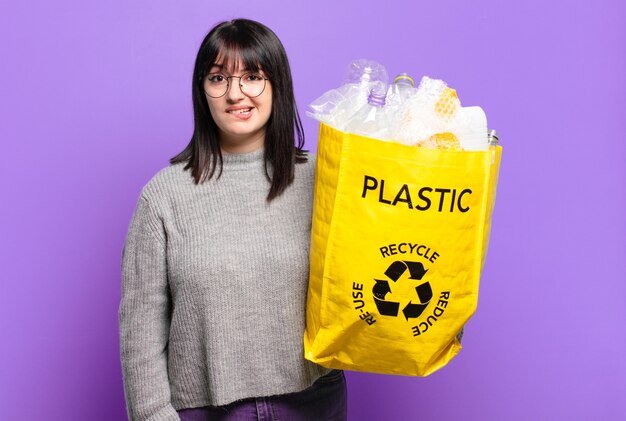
(234, 90)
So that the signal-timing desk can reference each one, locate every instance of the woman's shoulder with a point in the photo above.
(166, 181)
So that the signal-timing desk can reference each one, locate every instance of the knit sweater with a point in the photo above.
(214, 284)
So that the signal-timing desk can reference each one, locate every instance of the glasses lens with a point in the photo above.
(215, 85)
(252, 84)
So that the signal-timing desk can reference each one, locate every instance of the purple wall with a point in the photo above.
(94, 98)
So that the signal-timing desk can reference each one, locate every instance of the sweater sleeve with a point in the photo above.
(144, 317)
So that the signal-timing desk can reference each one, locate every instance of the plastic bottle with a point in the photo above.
(398, 108)
(337, 106)
(362, 78)
(403, 86)
(366, 75)
(471, 128)
(494, 139)
(371, 119)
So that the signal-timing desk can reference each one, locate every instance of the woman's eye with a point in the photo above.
(253, 77)
(216, 78)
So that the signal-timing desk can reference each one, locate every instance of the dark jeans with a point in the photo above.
(325, 400)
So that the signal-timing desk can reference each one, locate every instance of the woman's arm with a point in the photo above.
(144, 317)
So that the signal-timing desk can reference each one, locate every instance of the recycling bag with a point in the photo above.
(398, 241)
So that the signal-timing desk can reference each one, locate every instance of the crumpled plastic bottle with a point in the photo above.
(337, 106)
(371, 119)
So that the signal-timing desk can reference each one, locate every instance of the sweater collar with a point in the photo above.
(243, 159)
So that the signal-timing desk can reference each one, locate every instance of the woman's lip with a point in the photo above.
(229, 109)
(241, 115)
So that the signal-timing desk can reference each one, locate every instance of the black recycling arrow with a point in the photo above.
(387, 308)
(411, 311)
(416, 269)
(395, 270)
(424, 292)
(380, 290)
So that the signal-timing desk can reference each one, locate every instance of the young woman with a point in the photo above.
(215, 264)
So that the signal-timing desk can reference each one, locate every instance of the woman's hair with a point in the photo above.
(258, 48)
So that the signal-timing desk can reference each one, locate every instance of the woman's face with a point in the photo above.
(241, 120)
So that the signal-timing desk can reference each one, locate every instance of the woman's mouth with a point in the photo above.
(240, 111)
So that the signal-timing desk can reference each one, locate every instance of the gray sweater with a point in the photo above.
(214, 283)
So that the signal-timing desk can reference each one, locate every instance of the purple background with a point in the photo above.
(95, 97)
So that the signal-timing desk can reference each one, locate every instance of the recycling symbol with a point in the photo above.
(394, 272)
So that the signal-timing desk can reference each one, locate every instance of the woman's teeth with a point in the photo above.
(242, 111)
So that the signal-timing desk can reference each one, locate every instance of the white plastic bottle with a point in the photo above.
(470, 128)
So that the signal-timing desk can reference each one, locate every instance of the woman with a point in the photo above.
(215, 264)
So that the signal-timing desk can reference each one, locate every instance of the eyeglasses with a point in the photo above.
(252, 84)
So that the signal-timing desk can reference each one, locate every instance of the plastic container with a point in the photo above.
(403, 86)
(371, 119)
(471, 128)
(337, 106)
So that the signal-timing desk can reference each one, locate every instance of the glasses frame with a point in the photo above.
(228, 78)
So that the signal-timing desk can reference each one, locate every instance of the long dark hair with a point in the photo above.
(259, 49)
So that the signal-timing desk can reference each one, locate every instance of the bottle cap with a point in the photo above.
(403, 79)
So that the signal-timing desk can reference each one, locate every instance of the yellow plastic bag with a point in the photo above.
(398, 241)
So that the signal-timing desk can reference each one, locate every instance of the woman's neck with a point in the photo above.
(242, 145)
